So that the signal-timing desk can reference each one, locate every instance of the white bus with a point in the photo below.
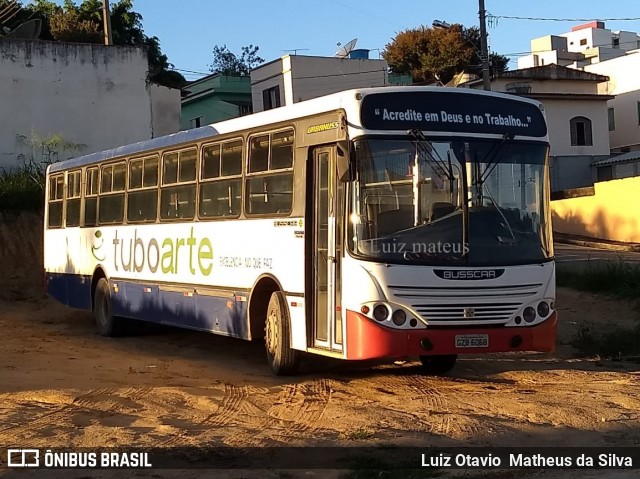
(373, 223)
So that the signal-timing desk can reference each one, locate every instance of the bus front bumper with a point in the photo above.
(368, 340)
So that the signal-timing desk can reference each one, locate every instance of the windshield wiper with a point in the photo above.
(439, 162)
(492, 158)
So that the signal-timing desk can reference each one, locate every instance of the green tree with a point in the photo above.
(83, 23)
(228, 63)
(437, 54)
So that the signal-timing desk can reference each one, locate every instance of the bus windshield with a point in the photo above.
(458, 201)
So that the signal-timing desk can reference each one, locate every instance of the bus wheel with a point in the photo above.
(282, 358)
(106, 323)
(438, 364)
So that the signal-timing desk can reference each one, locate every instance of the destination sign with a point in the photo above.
(459, 112)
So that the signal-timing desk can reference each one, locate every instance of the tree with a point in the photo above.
(436, 54)
(83, 24)
(228, 63)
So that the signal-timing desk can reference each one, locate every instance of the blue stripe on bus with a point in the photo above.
(74, 290)
(149, 302)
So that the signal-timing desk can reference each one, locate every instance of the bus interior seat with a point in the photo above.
(390, 221)
(440, 209)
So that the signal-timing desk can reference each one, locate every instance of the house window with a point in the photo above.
(583, 42)
(197, 122)
(612, 119)
(245, 110)
(580, 127)
(616, 43)
(271, 98)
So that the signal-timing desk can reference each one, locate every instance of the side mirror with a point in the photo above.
(345, 162)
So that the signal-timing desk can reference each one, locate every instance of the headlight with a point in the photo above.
(543, 309)
(529, 314)
(380, 312)
(399, 317)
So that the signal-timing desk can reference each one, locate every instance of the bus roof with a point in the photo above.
(335, 101)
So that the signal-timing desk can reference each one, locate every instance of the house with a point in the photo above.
(215, 98)
(294, 78)
(576, 113)
(593, 48)
(60, 100)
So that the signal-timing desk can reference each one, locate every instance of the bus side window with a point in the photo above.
(221, 180)
(72, 204)
(91, 197)
(178, 191)
(142, 196)
(112, 188)
(56, 200)
(269, 184)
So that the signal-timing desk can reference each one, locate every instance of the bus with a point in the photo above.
(389, 222)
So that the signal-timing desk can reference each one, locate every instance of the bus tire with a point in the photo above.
(277, 337)
(106, 323)
(439, 364)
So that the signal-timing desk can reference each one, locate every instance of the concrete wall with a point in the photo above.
(164, 115)
(609, 214)
(92, 97)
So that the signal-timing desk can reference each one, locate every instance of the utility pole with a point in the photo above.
(486, 80)
(106, 16)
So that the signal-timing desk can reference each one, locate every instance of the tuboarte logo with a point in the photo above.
(97, 245)
(468, 274)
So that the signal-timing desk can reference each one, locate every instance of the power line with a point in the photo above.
(490, 17)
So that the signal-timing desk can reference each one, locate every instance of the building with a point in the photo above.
(215, 98)
(576, 113)
(624, 108)
(584, 45)
(593, 48)
(294, 78)
(60, 100)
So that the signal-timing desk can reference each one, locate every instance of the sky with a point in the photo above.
(189, 29)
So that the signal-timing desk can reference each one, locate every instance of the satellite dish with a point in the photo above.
(28, 31)
(343, 52)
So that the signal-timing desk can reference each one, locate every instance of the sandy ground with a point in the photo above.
(64, 386)
(61, 385)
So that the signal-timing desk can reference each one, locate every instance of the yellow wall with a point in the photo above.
(613, 213)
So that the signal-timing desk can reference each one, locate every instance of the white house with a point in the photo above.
(593, 48)
(294, 78)
(60, 100)
(576, 114)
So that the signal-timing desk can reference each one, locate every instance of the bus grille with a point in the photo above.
(452, 305)
(494, 313)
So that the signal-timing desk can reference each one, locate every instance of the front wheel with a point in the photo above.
(106, 323)
(438, 364)
(282, 358)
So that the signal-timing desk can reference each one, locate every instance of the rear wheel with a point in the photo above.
(106, 323)
(438, 364)
(282, 358)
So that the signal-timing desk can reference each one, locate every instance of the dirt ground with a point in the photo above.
(61, 385)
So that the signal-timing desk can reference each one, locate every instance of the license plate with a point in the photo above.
(472, 341)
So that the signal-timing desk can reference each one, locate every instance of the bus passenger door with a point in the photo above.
(326, 251)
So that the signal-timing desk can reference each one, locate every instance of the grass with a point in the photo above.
(22, 189)
(615, 343)
(617, 279)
